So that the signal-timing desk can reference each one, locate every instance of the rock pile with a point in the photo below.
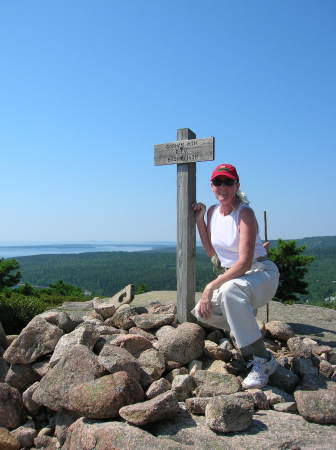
(93, 382)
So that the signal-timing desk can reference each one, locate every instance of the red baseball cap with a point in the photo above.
(226, 170)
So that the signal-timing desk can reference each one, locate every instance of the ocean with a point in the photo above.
(15, 250)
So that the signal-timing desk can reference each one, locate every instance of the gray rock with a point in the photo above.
(46, 442)
(104, 307)
(122, 318)
(89, 434)
(287, 407)
(279, 330)
(37, 339)
(218, 366)
(326, 368)
(317, 406)
(12, 413)
(163, 309)
(141, 332)
(210, 384)
(182, 385)
(160, 407)
(20, 376)
(59, 318)
(149, 321)
(85, 334)
(194, 365)
(133, 343)
(175, 372)
(196, 405)
(152, 362)
(229, 413)
(182, 344)
(25, 434)
(284, 379)
(298, 348)
(258, 397)
(214, 351)
(102, 398)
(313, 382)
(158, 387)
(275, 395)
(27, 398)
(78, 366)
(116, 359)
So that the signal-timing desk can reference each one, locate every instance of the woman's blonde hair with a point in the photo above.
(242, 197)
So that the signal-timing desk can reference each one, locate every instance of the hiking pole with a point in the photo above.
(265, 228)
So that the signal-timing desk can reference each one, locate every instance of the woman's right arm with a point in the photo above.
(203, 229)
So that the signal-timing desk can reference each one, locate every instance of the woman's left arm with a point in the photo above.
(248, 231)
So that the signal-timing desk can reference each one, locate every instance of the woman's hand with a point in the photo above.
(199, 209)
(205, 303)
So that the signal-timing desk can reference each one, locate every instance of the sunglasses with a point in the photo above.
(228, 182)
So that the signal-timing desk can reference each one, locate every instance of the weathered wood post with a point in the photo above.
(185, 152)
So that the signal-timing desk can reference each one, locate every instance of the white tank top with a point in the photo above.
(225, 236)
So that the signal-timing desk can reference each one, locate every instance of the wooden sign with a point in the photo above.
(185, 151)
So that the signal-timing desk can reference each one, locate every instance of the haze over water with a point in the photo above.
(16, 250)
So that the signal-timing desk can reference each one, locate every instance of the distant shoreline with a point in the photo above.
(16, 251)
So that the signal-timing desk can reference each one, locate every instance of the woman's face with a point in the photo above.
(225, 190)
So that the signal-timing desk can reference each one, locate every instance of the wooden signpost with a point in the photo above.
(185, 152)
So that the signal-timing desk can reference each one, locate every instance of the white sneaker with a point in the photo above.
(261, 370)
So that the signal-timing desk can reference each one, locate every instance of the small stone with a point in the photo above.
(152, 362)
(102, 398)
(218, 366)
(317, 406)
(279, 330)
(37, 339)
(182, 344)
(149, 321)
(41, 367)
(287, 407)
(103, 307)
(8, 441)
(284, 379)
(158, 387)
(175, 372)
(163, 309)
(163, 406)
(12, 413)
(195, 365)
(122, 318)
(275, 395)
(134, 344)
(326, 368)
(197, 405)
(298, 348)
(141, 332)
(25, 434)
(182, 385)
(20, 376)
(212, 350)
(227, 414)
(209, 384)
(258, 397)
(27, 398)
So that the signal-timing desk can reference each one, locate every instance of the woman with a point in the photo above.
(248, 279)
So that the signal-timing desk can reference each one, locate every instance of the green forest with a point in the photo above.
(105, 273)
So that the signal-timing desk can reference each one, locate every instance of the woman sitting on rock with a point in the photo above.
(248, 278)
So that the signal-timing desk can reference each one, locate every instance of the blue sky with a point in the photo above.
(88, 88)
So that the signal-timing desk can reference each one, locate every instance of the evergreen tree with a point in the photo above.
(7, 278)
(292, 265)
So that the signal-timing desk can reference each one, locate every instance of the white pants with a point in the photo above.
(234, 303)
